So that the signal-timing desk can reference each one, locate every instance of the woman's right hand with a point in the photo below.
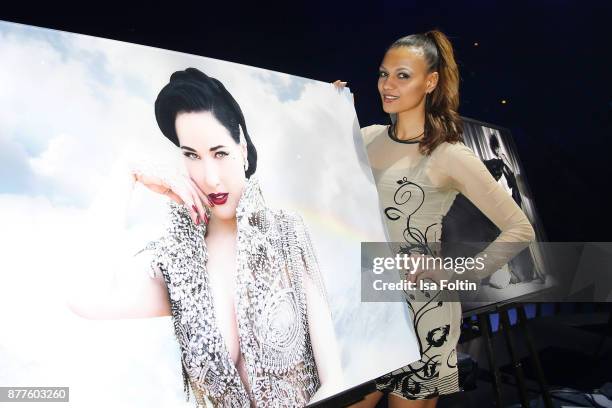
(180, 189)
(340, 85)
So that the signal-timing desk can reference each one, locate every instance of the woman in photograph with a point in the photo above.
(420, 164)
(501, 169)
(240, 280)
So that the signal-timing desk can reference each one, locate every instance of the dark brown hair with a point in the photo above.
(442, 121)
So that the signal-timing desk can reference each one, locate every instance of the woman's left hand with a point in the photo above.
(180, 188)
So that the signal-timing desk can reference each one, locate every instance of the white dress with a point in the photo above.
(415, 192)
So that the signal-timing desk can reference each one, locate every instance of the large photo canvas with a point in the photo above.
(82, 134)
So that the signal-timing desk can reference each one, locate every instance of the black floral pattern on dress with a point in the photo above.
(419, 379)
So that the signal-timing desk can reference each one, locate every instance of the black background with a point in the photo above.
(550, 60)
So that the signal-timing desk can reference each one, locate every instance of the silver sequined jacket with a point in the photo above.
(274, 255)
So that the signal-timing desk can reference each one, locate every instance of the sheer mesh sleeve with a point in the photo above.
(466, 173)
(370, 132)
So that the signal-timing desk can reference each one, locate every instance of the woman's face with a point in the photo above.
(214, 160)
(403, 79)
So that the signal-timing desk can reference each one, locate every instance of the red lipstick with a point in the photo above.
(218, 198)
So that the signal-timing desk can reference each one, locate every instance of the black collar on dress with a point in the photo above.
(391, 135)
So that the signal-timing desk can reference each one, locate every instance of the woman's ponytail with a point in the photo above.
(442, 120)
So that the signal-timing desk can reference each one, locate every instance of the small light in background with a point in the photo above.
(476, 44)
(503, 101)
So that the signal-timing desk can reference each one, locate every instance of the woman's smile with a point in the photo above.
(389, 98)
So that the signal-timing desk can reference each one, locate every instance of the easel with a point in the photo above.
(505, 327)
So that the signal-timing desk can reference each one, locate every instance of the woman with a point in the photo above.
(240, 280)
(500, 167)
(420, 165)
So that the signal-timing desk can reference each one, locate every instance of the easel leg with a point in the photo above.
(483, 322)
(522, 319)
(518, 370)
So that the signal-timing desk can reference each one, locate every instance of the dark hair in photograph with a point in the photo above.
(192, 90)
(493, 141)
(442, 120)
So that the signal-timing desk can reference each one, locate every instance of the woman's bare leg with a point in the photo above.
(372, 399)
(369, 401)
(398, 402)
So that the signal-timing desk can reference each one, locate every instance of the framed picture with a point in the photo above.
(466, 226)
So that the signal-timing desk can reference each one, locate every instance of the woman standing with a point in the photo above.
(420, 164)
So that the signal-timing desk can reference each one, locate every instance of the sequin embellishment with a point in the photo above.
(274, 255)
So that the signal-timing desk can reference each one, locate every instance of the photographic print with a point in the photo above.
(526, 273)
(177, 226)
